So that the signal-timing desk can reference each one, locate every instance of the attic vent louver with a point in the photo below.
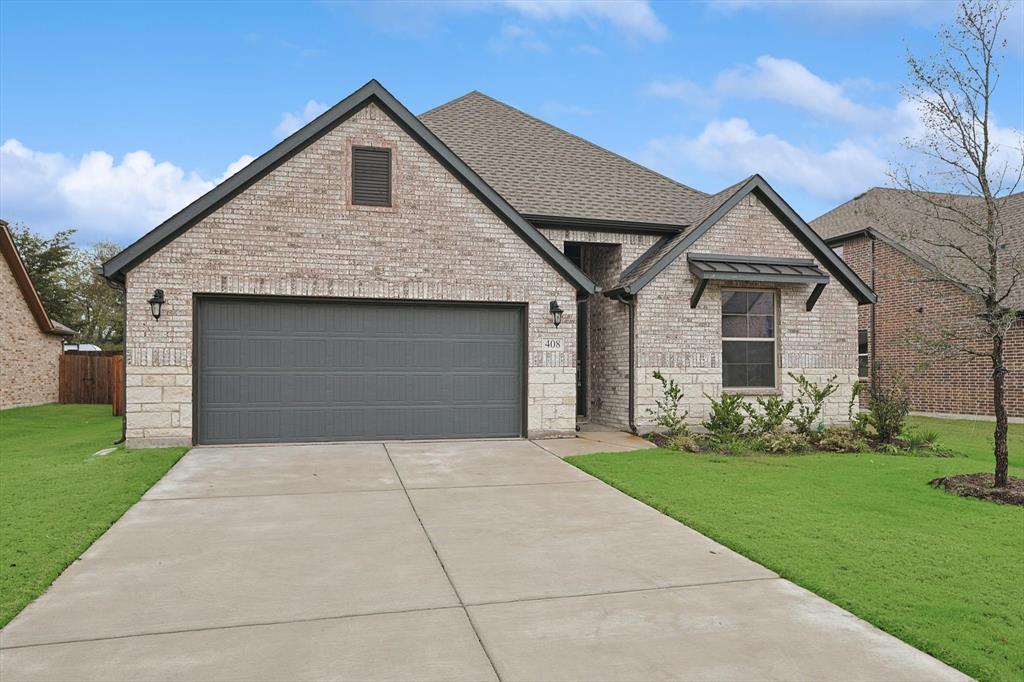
(371, 176)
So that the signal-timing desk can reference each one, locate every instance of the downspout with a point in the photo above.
(872, 358)
(124, 362)
(630, 303)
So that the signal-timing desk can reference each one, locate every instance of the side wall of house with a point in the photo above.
(686, 344)
(30, 367)
(294, 233)
(608, 320)
(908, 309)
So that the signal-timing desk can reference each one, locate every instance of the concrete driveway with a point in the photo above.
(431, 561)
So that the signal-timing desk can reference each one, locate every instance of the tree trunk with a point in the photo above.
(999, 401)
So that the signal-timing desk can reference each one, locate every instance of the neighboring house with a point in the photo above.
(887, 239)
(30, 342)
(378, 275)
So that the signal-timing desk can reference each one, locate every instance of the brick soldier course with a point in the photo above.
(289, 228)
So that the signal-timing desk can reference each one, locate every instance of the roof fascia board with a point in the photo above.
(811, 241)
(152, 241)
(869, 232)
(601, 225)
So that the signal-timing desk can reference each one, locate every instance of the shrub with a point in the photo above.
(684, 442)
(915, 440)
(888, 405)
(782, 442)
(772, 415)
(810, 402)
(667, 415)
(726, 420)
(834, 439)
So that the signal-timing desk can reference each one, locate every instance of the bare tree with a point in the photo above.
(966, 169)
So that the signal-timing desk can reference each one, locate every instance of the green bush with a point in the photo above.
(667, 415)
(781, 442)
(773, 414)
(888, 405)
(684, 442)
(726, 420)
(810, 402)
(835, 439)
(915, 440)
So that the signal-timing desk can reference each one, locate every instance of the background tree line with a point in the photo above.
(71, 287)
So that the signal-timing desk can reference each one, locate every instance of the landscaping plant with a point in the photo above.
(773, 414)
(725, 423)
(667, 415)
(810, 402)
(888, 405)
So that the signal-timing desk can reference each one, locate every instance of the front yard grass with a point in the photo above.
(55, 497)
(865, 531)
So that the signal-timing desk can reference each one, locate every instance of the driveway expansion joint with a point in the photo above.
(462, 604)
(310, 492)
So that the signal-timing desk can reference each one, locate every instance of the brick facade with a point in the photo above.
(908, 308)
(686, 344)
(294, 233)
(31, 358)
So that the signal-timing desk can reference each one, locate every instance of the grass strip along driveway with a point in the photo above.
(943, 573)
(56, 498)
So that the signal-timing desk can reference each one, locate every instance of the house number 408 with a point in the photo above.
(552, 344)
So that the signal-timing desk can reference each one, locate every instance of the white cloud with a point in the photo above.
(732, 148)
(101, 197)
(514, 36)
(636, 18)
(790, 82)
(291, 122)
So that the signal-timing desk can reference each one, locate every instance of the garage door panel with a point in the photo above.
(285, 371)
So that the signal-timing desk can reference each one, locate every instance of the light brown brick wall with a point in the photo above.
(294, 233)
(30, 365)
(909, 308)
(686, 344)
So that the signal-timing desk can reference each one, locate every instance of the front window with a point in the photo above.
(862, 353)
(748, 339)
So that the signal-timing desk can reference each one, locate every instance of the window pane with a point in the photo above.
(862, 341)
(734, 302)
(760, 352)
(734, 352)
(760, 304)
(734, 326)
(734, 375)
(862, 365)
(760, 327)
(762, 376)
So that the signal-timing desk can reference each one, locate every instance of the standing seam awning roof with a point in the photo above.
(709, 266)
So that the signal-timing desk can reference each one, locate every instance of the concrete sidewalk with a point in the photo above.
(467, 560)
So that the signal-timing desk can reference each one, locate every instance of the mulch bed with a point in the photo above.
(659, 439)
(980, 486)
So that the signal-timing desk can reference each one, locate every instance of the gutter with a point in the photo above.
(630, 303)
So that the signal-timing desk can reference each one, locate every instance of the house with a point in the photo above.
(887, 237)
(32, 343)
(473, 272)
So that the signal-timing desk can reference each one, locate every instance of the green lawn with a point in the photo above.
(55, 497)
(945, 574)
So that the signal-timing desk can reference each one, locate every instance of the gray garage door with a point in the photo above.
(274, 370)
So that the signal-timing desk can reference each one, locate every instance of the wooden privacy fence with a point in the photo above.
(91, 377)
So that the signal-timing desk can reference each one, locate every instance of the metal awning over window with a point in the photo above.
(707, 267)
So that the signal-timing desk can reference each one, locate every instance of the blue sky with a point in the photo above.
(113, 116)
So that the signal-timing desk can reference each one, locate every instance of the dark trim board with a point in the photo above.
(601, 225)
(523, 308)
(117, 267)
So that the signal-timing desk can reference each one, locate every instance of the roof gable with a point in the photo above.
(119, 265)
(715, 207)
(546, 172)
(28, 290)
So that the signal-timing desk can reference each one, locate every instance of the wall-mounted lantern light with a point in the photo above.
(156, 303)
(556, 313)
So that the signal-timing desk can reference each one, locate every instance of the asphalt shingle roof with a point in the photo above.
(921, 228)
(544, 170)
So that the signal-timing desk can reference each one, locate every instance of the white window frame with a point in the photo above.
(773, 339)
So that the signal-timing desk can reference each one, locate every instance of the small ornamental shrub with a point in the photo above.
(667, 415)
(726, 420)
(834, 439)
(782, 442)
(684, 442)
(917, 440)
(888, 405)
(773, 414)
(810, 402)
